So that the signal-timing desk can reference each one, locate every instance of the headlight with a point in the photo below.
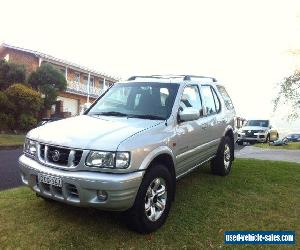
(30, 147)
(122, 160)
(102, 159)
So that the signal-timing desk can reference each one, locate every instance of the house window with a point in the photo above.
(92, 81)
(101, 83)
(77, 77)
(85, 80)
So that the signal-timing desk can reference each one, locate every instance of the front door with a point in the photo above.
(190, 134)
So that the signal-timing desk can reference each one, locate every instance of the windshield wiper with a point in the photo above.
(150, 117)
(112, 113)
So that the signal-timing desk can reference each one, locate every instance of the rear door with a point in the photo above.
(214, 121)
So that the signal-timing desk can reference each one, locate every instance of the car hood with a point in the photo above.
(87, 132)
(254, 128)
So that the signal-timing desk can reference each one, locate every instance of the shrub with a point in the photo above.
(24, 99)
(11, 73)
(26, 122)
(25, 105)
(5, 104)
(7, 122)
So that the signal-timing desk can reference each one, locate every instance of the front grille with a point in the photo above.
(42, 151)
(59, 156)
(77, 157)
(72, 191)
(251, 133)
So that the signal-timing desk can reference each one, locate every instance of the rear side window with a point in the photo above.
(211, 101)
(226, 97)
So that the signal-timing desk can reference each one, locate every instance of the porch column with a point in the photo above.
(104, 84)
(88, 88)
(66, 73)
(40, 61)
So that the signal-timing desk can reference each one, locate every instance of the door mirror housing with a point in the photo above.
(189, 114)
(84, 108)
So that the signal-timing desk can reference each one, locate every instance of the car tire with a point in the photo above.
(241, 143)
(153, 200)
(221, 164)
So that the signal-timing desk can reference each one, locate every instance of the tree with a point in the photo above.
(11, 73)
(49, 81)
(289, 93)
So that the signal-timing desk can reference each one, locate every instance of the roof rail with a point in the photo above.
(134, 77)
(188, 77)
(185, 77)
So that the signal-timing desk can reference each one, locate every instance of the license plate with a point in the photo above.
(51, 180)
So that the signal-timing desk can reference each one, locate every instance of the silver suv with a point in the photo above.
(257, 131)
(129, 148)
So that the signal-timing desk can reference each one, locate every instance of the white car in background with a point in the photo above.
(257, 131)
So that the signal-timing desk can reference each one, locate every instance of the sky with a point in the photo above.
(245, 44)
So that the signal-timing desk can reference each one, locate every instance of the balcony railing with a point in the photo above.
(82, 89)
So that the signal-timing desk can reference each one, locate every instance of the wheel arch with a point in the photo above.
(230, 133)
(164, 156)
(167, 161)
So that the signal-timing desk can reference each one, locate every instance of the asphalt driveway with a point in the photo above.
(268, 154)
(9, 173)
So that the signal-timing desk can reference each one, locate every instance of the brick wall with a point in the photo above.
(30, 61)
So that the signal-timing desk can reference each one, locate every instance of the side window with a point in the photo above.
(191, 98)
(209, 100)
(226, 97)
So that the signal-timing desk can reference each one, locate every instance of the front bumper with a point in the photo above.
(80, 187)
(257, 137)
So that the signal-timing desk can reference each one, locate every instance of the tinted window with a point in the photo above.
(191, 98)
(209, 100)
(226, 97)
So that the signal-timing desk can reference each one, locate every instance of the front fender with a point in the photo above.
(153, 154)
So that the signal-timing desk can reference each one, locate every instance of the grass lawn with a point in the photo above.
(290, 146)
(9, 140)
(258, 195)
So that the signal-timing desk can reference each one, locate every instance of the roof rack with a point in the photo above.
(188, 77)
(185, 77)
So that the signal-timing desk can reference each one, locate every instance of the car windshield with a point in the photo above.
(258, 123)
(140, 100)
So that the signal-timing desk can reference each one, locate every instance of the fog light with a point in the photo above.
(102, 195)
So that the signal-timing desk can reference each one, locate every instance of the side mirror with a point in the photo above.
(189, 114)
(270, 126)
(84, 108)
